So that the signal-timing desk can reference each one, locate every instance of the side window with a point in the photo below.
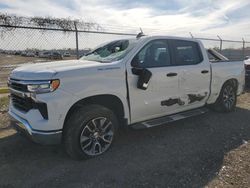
(186, 52)
(154, 54)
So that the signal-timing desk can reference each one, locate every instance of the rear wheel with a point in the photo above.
(227, 99)
(90, 131)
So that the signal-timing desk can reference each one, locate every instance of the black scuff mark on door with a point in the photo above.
(191, 99)
(196, 97)
(171, 102)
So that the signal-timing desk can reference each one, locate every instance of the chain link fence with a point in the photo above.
(23, 44)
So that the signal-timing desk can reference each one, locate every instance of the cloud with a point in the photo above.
(177, 17)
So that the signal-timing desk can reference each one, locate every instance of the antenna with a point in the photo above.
(139, 35)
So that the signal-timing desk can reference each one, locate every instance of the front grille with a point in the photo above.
(17, 86)
(23, 104)
(21, 99)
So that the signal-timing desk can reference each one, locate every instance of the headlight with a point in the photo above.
(43, 86)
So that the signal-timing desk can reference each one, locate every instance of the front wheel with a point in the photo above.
(89, 131)
(227, 99)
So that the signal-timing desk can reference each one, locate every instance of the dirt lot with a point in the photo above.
(212, 150)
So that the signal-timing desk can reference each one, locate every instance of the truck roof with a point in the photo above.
(169, 37)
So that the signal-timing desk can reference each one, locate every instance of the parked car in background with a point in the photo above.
(66, 54)
(43, 54)
(50, 55)
(17, 53)
(84, 51)
(140, 83)
(55, 55)
(23, 53)
(30, 54)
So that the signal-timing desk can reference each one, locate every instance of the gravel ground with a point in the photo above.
(235, 171)
(206, 151)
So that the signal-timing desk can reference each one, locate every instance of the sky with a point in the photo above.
(203, 18)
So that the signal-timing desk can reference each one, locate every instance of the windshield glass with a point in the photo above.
(111, 51)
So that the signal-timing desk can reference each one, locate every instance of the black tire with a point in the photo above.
(88, 127)
(227, 99)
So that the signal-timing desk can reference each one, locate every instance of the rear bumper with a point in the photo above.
(41, 137)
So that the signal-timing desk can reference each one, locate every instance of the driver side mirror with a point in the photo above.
(143, 74)
(143, 79)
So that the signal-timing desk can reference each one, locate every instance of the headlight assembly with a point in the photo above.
(43, 86)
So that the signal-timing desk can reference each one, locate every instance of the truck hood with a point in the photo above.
(46, 71)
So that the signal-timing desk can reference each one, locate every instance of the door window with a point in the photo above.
(154, 54)
(186, 52)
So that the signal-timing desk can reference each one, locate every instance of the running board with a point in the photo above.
(169, 118)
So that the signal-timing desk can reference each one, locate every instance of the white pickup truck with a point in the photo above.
(140, 83)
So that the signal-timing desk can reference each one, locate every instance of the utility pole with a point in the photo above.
(243, 49)
(77, 49)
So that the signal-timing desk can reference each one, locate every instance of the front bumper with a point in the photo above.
(41, 137)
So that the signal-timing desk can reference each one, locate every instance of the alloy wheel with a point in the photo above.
(97, 136)
(229, 97)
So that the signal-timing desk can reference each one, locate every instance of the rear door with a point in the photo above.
(194, 85)
(153, 98)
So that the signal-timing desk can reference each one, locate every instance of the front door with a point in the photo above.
(157, 96)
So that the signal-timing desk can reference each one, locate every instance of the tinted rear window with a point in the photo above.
(186, 52)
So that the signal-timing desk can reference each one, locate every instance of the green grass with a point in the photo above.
(4, 102)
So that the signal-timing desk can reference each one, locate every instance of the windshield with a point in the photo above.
(112, 51)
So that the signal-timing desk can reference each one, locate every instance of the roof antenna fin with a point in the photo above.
(139, 35)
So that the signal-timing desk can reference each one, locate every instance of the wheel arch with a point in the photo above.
(216, 93)
(232, 81)
(109, 101)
